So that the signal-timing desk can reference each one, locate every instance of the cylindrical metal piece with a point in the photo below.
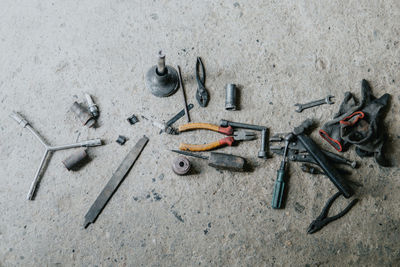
(225, 123)
(84, 116)
(75, 159)
(263, 153)
(87, 143)
(230, 98)
(181, 165)
(161, 69)
(19, 119)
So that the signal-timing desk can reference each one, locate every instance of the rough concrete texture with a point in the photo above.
(279, 52)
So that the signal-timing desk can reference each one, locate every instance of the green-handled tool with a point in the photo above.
(279, 188)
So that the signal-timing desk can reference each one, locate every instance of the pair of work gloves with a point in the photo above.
(359, 123)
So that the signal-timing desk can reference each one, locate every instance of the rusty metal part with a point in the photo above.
(83, 114)
(181, 165)
(75, 159)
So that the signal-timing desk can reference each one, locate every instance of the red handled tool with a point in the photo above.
(233, 136)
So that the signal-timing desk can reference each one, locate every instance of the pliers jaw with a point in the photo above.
(323, 218)
(315, 226)
(202, 95)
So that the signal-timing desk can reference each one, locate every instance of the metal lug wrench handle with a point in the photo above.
(326, 100)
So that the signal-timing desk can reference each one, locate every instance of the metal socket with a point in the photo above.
(230, 98)
(83, 115)
(75, 159)
(181, 165)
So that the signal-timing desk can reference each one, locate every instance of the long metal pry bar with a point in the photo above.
(24, 123)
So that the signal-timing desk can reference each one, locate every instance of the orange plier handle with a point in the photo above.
(207, 126)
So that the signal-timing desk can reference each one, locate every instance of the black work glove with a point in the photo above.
(360, 124)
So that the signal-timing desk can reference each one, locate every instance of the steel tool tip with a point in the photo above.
(86, 224)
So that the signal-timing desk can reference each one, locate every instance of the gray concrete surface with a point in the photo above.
(280, 52)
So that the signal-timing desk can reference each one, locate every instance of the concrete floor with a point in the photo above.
(280, 52)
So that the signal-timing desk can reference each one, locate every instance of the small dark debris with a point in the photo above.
(179, 217)
(121, 140)
(273, 66)
(135, 198)
(148, 196)
(153, 180)
(25, 226)
(157, 197)
(161, 177)
(209, 225)
(73, 251)
(133, 119)
(206, 231)
(271, 103)
(298, 207)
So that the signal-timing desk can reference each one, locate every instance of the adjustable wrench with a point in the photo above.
(326, 100)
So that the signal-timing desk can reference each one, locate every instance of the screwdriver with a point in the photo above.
(279, 188)
(219, 161)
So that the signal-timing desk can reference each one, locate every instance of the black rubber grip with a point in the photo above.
(322, 160)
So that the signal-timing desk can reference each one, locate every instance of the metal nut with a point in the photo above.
(181, 165)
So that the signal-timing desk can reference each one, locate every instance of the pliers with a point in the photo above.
(323, 220)
(233, 136)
